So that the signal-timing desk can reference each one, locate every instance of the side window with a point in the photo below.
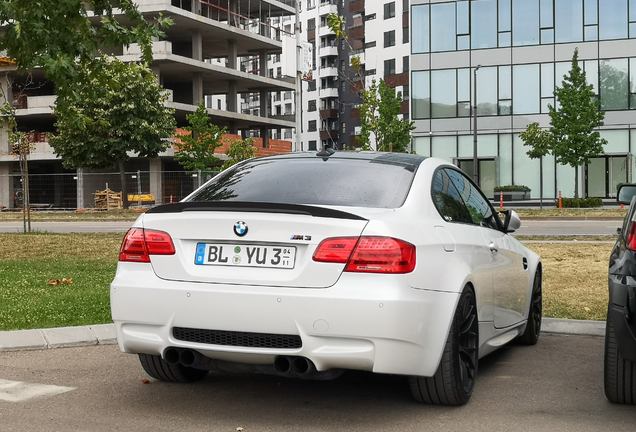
(481, 212)
(447, 200)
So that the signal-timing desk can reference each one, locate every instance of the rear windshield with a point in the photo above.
(341, 182)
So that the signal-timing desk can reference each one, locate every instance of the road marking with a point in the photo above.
(18, 391)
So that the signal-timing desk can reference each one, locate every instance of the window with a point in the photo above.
(525, 91)
(311, 126)
(611, 19)
(389, 10)
(443, 93)
(420, 42)
(568, 21)
(614, 84)
(343, 127)
(443, 27)
(405, 35)
(484, 24)
(369, 45)
(405, 64)
(369, 17)
(389, 38)
(312, 145)
(311, 105)
(311, 24)
(447, 200)
(421, 105)
(525, 22)
(389, 67)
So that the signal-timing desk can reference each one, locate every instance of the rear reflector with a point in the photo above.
(139, 244)
(631, 236)
(368, 254)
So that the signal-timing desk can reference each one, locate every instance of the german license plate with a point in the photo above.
(245, 255)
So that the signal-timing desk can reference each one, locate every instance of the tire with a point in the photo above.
(453, 382)
(159, 369)
(619, 374)
(533, 329)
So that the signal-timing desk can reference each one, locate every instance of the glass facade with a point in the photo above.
(502, 23)
(515, 86)
(518, 89)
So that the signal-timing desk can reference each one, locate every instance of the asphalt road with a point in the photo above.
(555, 385)
(528, 227)
(568, 227)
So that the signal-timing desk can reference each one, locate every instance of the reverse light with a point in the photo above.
(140, 243)
(368, 254)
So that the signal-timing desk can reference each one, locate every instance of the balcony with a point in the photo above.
(328, 113)
(328, 6)
(328, 50)
(326, 92)
(324, 30)
(328, 71)
(328, 133)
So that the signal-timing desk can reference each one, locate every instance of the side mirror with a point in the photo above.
(512, 221)
(625, 193)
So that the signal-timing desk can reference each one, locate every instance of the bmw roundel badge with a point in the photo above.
(240, 228)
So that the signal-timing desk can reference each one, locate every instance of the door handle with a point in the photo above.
(493, 247)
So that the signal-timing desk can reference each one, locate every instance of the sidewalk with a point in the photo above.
(104, 334)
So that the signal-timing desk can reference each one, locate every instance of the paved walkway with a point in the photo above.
(104, 334)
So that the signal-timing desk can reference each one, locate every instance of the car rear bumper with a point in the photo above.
(622, 302)
(363, 322)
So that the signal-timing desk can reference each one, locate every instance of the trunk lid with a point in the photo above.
(275, 247)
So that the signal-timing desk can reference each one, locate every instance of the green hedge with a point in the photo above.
(512, 188)
(580, 202)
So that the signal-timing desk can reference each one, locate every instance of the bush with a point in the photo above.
(580, 202)
(512, 188)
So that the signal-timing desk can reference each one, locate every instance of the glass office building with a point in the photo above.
(514, 53)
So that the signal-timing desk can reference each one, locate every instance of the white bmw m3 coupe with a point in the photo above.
(309, 264)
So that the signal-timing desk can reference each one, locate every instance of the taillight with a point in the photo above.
(368, 254)
(140, 243)
(631, 236)
(335, 250)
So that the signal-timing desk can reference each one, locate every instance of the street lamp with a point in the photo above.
(475, 163)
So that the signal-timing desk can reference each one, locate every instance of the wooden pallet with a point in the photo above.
(108, 199)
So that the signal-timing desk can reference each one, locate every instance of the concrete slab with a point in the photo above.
(22, 339)
(104, 333)
(571, 326)
(62, 337)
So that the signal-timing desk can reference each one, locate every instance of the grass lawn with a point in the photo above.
(575, 279)
(29, 261)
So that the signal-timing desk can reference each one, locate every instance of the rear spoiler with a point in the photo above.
(254, 207)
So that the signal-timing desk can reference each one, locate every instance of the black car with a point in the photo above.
(620, 333)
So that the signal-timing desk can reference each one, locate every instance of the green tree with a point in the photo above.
(574, 140)
(196, 149)
(380, 105)
(540, 143)
(57, 35)
(239, 150)
(101, 124)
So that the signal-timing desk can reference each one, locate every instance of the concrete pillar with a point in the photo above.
(197, 88)
(264, 136)
(266, 30)
(6, 185)
(232, 127)
(197, 45)
(232, 96)
(233, 17)
(264, 99)
(156, 186)
(80, 188)
(262, 62)
(196, 7)
(232, 54)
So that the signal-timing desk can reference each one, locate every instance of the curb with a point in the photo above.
(60, 337)
(104, 334)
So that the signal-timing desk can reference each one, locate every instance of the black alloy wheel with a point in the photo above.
(454, 379)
